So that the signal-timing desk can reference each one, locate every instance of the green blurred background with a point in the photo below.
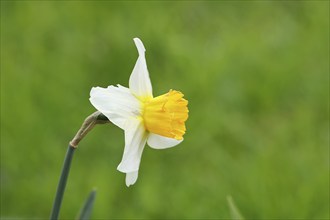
(256, 75)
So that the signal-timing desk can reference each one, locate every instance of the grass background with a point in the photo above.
(256, 74)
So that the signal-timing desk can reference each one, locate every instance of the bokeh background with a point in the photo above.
(256, 75)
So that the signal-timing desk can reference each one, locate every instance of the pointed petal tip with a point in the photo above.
(128, 184)
(131, 178)
(139, 45)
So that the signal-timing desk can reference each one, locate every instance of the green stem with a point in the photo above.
(92, 120)
(62, 183)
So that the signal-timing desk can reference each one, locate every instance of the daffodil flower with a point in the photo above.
(158, 121)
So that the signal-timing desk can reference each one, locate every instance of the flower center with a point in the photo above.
(165, 115)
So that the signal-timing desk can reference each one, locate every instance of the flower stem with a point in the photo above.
(62, 183)
(92, 120)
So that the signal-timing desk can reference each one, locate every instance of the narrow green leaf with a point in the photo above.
(86, 210)
(235, 213)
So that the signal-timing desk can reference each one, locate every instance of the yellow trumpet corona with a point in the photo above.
(166, 114)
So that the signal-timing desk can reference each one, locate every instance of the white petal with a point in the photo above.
(160, 142)
(135, 140)
(139, 46)
(131, 178)
(116, 103)
(139, 81)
